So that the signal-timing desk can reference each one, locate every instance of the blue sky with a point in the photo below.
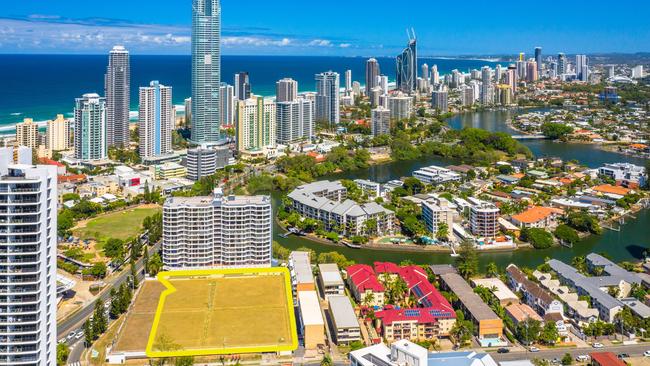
(329, 27)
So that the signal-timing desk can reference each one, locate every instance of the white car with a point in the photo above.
(597, 345)
(533, 349)
(582, 358)
(62, 340)
(70, 335)
(646, 353)
(79, 335)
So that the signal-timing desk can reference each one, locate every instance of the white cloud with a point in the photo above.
(50, 33)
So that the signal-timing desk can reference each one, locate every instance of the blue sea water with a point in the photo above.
(41, 86)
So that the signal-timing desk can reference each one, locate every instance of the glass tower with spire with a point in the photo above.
(407, 66)
(206, 71)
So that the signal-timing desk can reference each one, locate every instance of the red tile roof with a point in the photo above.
(47, 161)
(72, 178)
(606, 359)
(363, 277)
(387, 267)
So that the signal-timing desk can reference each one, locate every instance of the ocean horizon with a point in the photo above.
(42, 86)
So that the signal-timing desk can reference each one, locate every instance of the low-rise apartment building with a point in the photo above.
(325, 201)
(345, 324)
(363, 284)
(330, 280)
(534, 295)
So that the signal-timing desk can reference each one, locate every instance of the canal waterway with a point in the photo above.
(626, 244)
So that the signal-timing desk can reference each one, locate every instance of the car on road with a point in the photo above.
(62, 340)
(70, 335)
(623, 355)
(79, 335)
(597, 345)
(646, 353)
(533, 349)
(582, 358)
(503, 350)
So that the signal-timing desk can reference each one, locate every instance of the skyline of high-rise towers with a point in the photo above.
(407, 66)
(117, 90)
(206, 71)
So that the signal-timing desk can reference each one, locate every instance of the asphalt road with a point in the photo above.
(75, 322)
(632, 350)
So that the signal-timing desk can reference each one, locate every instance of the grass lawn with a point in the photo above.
(118, 225)
(227, 312)
(135, 333)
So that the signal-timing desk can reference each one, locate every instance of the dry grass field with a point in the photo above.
(220, 312)
(135, 333)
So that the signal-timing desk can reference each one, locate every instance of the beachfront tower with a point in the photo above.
(155, 120)
(206, 71)
(407, 66)
(117, 89)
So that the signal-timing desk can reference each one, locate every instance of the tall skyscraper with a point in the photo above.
(372, 72)
(227, 105)
(327, 97)
(206, 71)
(531, 71)
(562, 66)
(28, 243)
(407, 66)
(155, 120)
(57, 136)
(538, 59)
(217, 231)
(27, 134)
(117, 86)
(435, 76)
(256, 124)
(242, 85)
(486, 96)
(295, 120)
(286, 90)
(581, 66)
(90, 128)
(348, 81)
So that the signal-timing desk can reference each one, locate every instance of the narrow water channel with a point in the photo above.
(627, 244)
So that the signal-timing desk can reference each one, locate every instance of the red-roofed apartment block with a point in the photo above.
(430, 317)
(364, 285)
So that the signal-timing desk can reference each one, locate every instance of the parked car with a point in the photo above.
(79, 335)
(503, 350)
(646, 353)
(70, 335)
(623, 355)
(582, 358)
(533, 349)
(597, 345)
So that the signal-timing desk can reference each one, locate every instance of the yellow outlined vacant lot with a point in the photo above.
(223, 311)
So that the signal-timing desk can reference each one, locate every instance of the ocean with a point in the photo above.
(41, 86)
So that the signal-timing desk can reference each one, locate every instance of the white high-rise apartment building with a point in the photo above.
(90, 128)
(637, 72)
(486, 86)
(57, 136)
(155, 120)
(27, 134)
(400, 105)
(327, 97)
(372, 73)
(117, 83)
(227, 102)
(581, 64)
(348, 81)
(295, 120)
(484, 219)
(286, 90)
(28, 224)
(380, 121)
(217, 231)
(256, 123)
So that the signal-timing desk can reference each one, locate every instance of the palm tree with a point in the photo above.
(443, 231)
(368, 299)
(327, 361)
